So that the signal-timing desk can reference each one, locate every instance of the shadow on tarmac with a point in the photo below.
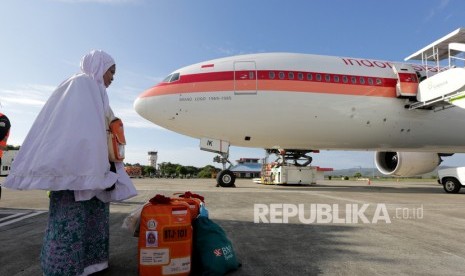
(263, 249)
(287, 249)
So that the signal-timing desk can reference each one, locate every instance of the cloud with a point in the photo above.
(132, 119)
(135, 76)
(436, 9)
(28, 95)
(443, 4)
(223, 50)
(23, 101)
(446, 18)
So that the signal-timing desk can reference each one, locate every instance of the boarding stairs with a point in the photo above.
(443, 83)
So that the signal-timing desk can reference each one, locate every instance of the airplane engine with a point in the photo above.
(406, 163)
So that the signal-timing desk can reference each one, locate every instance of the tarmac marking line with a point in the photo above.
(452, 255)
(339, 198)
(22, 218)
(12, 216)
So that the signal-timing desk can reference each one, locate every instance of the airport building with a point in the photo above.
(247, 168)
(7, 160)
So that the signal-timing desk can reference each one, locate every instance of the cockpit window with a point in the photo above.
(171, 77)
(175, 77)
(167, 79)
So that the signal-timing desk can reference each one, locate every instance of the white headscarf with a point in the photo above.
(66, 147)
(95, 64)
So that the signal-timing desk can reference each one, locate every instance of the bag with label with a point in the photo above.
(165, 238)
(116, 141)
(213, 251)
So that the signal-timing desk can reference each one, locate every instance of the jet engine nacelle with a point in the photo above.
(406, 163)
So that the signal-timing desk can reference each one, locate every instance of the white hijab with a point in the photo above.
(95, 64)
(66, 147)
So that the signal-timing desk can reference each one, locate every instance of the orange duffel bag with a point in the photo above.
(165, 237)
(194, 201)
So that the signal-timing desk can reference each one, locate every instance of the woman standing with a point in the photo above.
(66, 152)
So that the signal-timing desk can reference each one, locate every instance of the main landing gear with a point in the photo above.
(298, 158)
(292, 167)
(226, 178)
(287, 157)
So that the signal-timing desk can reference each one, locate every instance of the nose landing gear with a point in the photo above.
(225, 178)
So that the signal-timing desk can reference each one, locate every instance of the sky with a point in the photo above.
(42, 42)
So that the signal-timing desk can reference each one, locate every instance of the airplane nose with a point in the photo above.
(156, 107)
(140, 106)
(153, 107)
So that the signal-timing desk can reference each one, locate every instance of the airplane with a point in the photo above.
(292, 104)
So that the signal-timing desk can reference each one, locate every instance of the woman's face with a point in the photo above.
(108, 76)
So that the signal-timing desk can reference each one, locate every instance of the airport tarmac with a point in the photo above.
(344, 228)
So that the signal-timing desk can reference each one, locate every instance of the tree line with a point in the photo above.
(171, 170)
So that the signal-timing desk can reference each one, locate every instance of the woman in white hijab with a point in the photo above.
(66, 152)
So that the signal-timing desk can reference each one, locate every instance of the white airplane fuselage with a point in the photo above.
(300, 101)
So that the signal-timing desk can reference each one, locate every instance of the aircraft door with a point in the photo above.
(407, 80)
(245, 78)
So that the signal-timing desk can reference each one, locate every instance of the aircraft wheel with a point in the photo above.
(452, 185)
(226, 178)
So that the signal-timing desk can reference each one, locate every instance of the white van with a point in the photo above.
(452, 179)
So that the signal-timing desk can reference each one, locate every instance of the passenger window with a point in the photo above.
(362, 80)
(336, 78)
(251, 75)
(318, 77)
(281, 75)
(327, 78)
(300, 76)
(345, 79)
(378, 81)
(271, 75)
(370, 81)
(309, 76)
(353, 80)
(290, 75)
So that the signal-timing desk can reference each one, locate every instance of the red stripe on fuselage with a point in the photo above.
(291, 81)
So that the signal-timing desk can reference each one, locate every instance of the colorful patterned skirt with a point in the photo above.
(76, 240)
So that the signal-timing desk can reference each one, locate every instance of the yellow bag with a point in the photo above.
(116, 141)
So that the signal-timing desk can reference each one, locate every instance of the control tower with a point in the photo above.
(153, 159)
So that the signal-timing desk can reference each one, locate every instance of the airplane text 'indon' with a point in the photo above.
(381, 64)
